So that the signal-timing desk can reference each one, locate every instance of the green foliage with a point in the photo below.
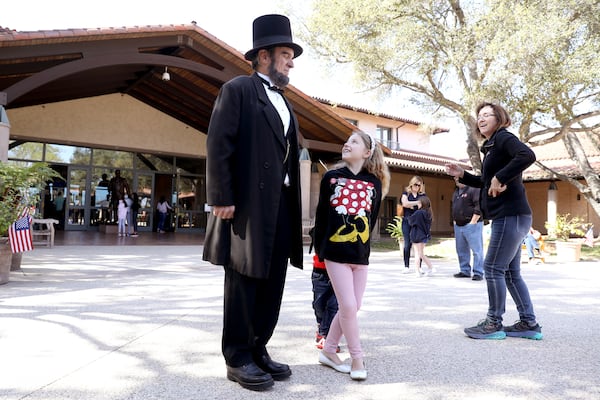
(565, 226)
(538, 58)
(20, 186)
(395, 228)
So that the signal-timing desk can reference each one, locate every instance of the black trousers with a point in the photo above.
(251, 306)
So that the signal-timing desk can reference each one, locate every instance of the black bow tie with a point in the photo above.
(272, 87)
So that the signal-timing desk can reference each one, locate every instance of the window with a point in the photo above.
(384, 135)
(352, 121)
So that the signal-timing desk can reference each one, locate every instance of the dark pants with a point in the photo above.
(251, 305)
(407, 242)
(324, 300)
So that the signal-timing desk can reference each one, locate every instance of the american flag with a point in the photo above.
(19, 234)
(589, 237)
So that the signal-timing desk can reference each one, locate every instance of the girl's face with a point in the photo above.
(354, 149)
(487, 121)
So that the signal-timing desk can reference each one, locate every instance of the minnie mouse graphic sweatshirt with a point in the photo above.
(346, 214)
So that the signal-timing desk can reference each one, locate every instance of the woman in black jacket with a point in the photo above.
(504, 201)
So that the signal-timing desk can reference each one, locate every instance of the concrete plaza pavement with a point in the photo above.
(144, 322)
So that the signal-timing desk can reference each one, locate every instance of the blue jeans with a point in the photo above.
(502, 267)
(407, 242)
(324, 301)
(530, 244)
(469, 238)
(162, 217)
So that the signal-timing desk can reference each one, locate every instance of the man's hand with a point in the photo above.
(223, 212)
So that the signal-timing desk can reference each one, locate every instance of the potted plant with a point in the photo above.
(561, 230)
(394, 228)
(20, 186)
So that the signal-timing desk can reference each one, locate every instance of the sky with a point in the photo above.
(229, 21)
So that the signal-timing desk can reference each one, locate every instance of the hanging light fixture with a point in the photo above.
(166, 76)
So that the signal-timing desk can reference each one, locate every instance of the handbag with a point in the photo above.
(399, 210)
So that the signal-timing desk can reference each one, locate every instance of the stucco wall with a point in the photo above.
(113, 121)
(406, 134)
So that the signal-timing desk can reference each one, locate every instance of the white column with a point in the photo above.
(305, 188)
(4, 135)
(552, 201)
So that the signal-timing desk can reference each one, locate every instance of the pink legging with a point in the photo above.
(349, 282)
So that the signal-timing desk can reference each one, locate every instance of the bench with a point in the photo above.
(42, 231)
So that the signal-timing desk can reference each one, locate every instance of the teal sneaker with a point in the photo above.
(522, 329)
(486, 329)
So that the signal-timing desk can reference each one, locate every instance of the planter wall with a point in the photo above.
(5, 263)
(15, 264)
(568, 251)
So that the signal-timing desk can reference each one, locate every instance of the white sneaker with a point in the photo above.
(406, 270)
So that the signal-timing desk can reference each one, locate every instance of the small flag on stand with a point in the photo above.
(589, 237)
(19, 233)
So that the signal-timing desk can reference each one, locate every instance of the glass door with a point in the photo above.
(77, 212)
(191, 196)
(144, 191)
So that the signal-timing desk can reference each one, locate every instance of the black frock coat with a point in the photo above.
(246, 149)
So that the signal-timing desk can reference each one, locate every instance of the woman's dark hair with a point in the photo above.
(501, 115)
(426, 205)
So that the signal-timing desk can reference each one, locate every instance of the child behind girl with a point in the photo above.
(349, 201)
(420, 233)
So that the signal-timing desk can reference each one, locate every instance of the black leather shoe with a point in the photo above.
(277, 370)
(250, 376)
(461, 275)
(477, 277)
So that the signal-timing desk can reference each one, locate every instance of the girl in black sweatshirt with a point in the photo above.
(349, 201)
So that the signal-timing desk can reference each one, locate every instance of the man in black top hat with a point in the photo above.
(253, 186)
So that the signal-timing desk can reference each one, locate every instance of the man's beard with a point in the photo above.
(277, 78)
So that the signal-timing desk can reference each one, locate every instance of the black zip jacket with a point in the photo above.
(506, 157)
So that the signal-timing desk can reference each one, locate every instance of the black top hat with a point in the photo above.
(269, 31)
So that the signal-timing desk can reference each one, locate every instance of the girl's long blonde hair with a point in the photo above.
(413, 180)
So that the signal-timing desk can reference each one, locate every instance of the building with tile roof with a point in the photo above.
(90, 100)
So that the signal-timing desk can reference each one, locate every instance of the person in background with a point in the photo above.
(410, 203)
(504, 201)
(253, 187)
(163, 208)
(349, 200)
(121, 217)
(468, 230)
(324, 302)
(128, 203)
(59, 208)
(134, 210)
(532, 245)
(420, 234)
(104, 182)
